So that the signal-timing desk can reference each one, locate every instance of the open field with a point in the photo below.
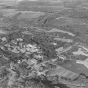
(77, 68)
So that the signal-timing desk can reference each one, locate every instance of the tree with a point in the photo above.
(81, 78)
(55, 79)
(77, 33)
(14, 35)
(43, 40)
(4, 72)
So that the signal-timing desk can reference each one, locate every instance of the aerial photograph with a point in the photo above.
(43, 43)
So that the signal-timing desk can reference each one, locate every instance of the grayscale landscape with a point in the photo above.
(43, 43)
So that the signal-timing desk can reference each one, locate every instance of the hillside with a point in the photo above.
(43, 44)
